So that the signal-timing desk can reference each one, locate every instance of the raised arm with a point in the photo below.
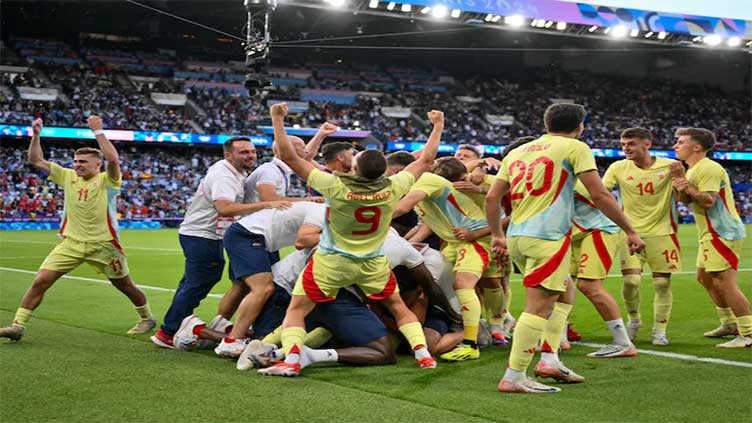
(426, 159)
(287, 154)
(36, 156)
(408, 202)
(312, 148)
(105, 146)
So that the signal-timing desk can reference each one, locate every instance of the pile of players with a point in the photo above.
(412, 252)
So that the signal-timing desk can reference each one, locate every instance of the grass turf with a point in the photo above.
(76, 363)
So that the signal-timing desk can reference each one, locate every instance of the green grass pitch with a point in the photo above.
(77, 364)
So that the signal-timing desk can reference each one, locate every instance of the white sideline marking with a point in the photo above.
(686, 357)
(127, 247)
(102, 281)
(519, 278)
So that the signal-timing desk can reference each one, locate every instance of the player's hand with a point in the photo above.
(467, 187)
(635, 243)
(676, 170)
(492, 163)
(36, 127)
(95, 123)
(681, 184)
(278, 110)
(463, 234)
(320, 200)
(499, 245)
(436, 117)
(328, 129)
(281, 205)
(477, 176)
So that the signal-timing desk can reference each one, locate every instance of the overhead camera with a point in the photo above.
(257, 44)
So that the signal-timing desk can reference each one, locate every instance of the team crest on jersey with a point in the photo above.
(95, 184)
(630, 178)
(661, 175)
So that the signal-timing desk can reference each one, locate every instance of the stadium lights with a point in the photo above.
(607, 30)
(561, 26)
(439, 11)
(336, 3)
(425, 10)
(488, 17)
(619, 31)
(593, 28)
(496, 18)
(406, 8)
(534, 22)
(373, 4)
(455, 13)
(712, 40)
(549, 24)
(734, 42)
(541, 23)
(749, 44)
(662, 35)
(634, 33)
(514, 20)
(391, 5)
(649, 34)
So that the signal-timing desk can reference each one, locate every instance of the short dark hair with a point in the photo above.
(564, 117)
(330, 151)
(371, 164)
(449, 168)
(478, 152)
(228, 145)
(516, 143)
(399, 158)
(702, 136)
(88, 150)
(637, 132)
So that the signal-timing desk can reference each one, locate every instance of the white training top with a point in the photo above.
(222, 182)
(276, 173)
(441, 270)
(280, 227)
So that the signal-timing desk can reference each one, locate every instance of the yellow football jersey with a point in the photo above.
(720, 220)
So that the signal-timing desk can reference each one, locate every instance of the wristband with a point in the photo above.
(98, 132)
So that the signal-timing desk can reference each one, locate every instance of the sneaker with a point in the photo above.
(509, 324)
(219, 324)
(632, 327)
(184, 339)
(161, 339)
(557, 371)
(230, 349)
(738, 342)
(255, 354)
(282, 368)
(498, 338)
(12, 332)
(427, 363)
(615, 350)
(659, 338)
(143, 326)
(484, 334)
(462, 352)
(526, 386)
(722, 330)
(572, 335)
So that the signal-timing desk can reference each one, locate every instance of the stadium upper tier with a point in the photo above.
(159, 91)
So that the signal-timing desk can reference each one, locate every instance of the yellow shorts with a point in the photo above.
(594, 252)
(472, 257)
(718, 254)
(105, 257)
(543, 262)
(661, 253)
(325, 274)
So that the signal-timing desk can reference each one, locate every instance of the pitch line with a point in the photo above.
(127, 247)
(685, 357)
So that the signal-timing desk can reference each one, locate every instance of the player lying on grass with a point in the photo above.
(88, 230)
(721, 233)
(360, 207)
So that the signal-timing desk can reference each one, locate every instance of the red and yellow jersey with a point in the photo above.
(721, 219)
(89, 214)
(541, 175)
(445, 208)
(358, 212)
(587, 216)
(646, 195)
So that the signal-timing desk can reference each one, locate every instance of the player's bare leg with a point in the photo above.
(725, 314)
(231, 300)
(608, 309)
(439, 344)
(261, 288)
(43, 280)
(725, 283)
(410, 327)
(146, 322)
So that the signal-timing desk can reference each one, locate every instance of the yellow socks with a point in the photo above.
(745, 325)
(662, 303)
(144, 311)
(317, 337)
(22, 317)
(292, 336)
(273, 337)
(507, 300)
(470, 306)
(555, 326)
(413, 332)
(493, 299)
(726, 316)
(631, 294)
(526, 336)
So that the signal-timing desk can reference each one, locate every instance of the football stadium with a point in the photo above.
(365, 210)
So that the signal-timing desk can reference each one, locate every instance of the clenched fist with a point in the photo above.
(278, 110)
(328, 129)
(676, 170)
(95, 122)
(36, 127)
(436, 117)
